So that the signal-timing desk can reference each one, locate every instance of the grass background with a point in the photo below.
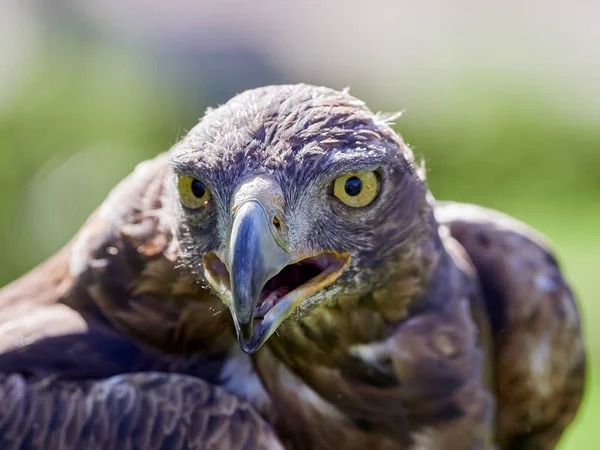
(81, 118)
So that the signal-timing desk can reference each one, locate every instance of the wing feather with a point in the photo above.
(539, 356)
(134, 411)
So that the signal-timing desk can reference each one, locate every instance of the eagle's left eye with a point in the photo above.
(193, 193)
(357, 189)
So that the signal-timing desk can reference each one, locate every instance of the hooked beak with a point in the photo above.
(254, 258)
(261, 281)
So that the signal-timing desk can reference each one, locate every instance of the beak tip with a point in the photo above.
(249, 343)
(249, 339)
(250, 347)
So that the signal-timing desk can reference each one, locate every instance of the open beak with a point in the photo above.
(260, 280)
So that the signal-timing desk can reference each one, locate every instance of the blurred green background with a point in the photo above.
(502, 102)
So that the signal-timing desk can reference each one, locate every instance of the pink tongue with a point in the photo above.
(270, 301)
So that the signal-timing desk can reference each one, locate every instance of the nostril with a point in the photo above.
(277, 223)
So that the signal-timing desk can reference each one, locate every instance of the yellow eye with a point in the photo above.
(192, 192)
(357, 189)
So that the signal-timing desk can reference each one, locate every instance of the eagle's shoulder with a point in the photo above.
(539, 355)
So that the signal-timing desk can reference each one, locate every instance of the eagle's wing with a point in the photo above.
(149, 410)
(88, 387)
(71, 379)
(539, 358)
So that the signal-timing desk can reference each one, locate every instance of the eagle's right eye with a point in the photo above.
(193, 193)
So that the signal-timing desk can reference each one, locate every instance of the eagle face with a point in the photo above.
(292, 198)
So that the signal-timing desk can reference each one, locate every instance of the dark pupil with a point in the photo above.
(353, 186)
(198, 188)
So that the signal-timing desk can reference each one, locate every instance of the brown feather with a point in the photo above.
(538, 349)
(146, 410)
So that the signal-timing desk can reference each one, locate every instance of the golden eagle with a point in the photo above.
(282, 278)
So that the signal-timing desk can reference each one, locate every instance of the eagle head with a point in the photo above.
(290, 198)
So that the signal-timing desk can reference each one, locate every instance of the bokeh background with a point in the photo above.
(502, 100)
